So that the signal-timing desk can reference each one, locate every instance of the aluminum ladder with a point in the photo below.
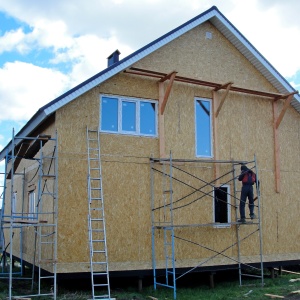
(96, 220)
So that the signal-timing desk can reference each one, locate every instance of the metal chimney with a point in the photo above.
(113, 58)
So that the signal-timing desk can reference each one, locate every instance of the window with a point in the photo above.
(32, 205)
(128, 116)
(221, 206)
(203, 128)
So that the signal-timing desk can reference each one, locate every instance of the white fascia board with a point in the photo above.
(25, 131)
(251, 54)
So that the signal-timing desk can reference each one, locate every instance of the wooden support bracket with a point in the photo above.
(276, 123)
(161, 121)
(170, 76)
(287, 102)
(228, 86)
(223, 86)
(276, 149)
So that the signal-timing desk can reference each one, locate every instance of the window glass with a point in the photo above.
(109, 115)
(147, 118)
(128, 116)
(203, 128)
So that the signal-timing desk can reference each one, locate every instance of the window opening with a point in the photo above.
(109, 117)
(128, 116)
(203, 128)
(222, 208)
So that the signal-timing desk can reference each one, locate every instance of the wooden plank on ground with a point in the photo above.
(274, 296)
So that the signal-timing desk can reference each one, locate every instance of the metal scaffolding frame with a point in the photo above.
(40, 221)
(165, 222)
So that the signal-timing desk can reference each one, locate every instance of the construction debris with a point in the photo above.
(274, 296)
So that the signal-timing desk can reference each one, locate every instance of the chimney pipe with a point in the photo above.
(113, 58)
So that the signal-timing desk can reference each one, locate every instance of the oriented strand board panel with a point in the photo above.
(216, 59)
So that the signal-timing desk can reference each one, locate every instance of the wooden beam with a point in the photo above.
(223, 98)
(274, 296)
(215, 137)
(286, 95)
(284, 109)
(276, 148)
(161, 121)
(223, 86)
(215, 85)
(167, 92)
(168, 76)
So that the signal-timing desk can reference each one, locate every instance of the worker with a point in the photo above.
(248, 178)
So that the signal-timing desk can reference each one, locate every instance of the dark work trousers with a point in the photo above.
(247, 191)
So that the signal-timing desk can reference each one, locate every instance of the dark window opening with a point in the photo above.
(221, 204)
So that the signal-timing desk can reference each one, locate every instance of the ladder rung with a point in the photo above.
(96, 198)
(99, 263)
(48, 176)
(100, 274)
(99, 251)
(101, 284)
(98, 230)
(98, 241)
(45, 277)
(96, 219)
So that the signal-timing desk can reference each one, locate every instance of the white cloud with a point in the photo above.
(13, 40)
(90, 54)
(82, 37)
(25, 88)
(270, 32)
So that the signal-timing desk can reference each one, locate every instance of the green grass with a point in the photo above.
(223, 291)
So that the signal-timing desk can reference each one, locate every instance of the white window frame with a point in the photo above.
(210, 127)
(138, 101)
(228, 224)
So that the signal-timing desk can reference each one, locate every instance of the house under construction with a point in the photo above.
(134, 171)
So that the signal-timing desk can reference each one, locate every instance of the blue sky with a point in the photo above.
(48, 47)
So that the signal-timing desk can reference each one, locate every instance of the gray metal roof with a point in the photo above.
(216, 18)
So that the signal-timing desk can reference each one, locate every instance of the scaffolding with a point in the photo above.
(31, 220)
(185, 185)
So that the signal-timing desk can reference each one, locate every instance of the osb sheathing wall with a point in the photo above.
(244, 128)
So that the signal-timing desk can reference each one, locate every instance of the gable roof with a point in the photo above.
(216, 18)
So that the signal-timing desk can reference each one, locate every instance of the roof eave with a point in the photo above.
(35, 121)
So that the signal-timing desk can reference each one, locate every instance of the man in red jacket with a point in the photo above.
(248, 178)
